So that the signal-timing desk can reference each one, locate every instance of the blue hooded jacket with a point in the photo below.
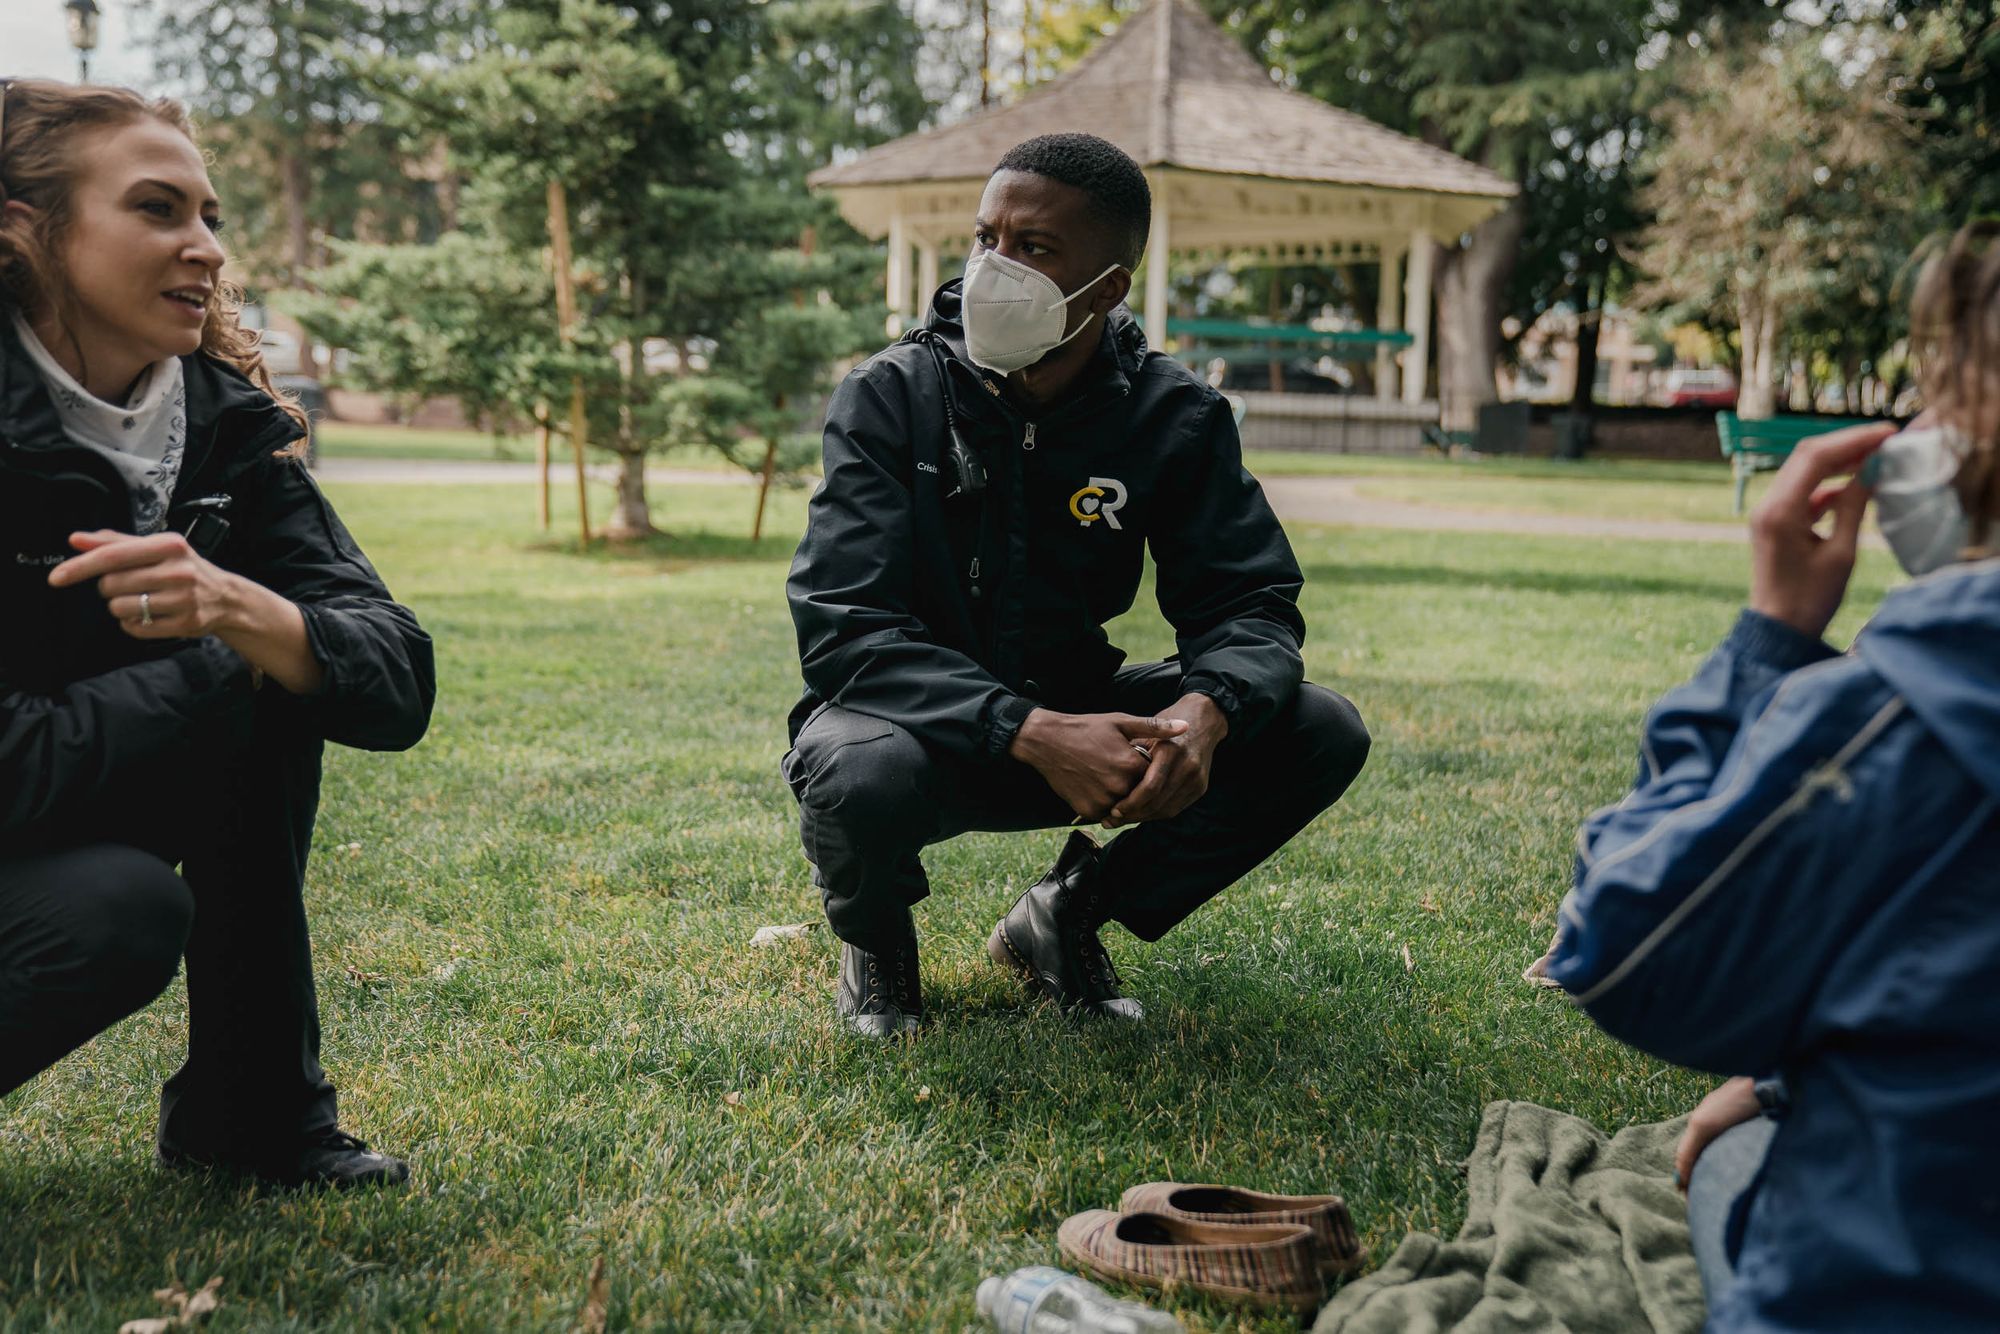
(1806, 881)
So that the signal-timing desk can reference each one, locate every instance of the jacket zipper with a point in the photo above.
(1028, 436)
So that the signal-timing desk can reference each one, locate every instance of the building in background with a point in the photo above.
(1632, 368)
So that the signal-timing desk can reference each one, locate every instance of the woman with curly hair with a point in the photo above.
(183, 624)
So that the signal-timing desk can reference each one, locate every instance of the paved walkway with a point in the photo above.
(1329, 500)
(1338, 501)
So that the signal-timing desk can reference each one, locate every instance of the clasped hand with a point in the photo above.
(1118, 769)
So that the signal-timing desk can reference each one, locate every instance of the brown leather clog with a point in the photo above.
(1336, 1245)
(1263, 1265)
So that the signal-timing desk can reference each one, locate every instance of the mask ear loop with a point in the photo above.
(1073, 296)
(1092, 283)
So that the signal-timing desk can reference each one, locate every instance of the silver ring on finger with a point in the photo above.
(145, 609)
(1146, 751)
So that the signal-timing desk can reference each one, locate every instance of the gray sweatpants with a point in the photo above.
(1716, 1194)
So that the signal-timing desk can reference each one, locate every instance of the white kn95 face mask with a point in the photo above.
(1013, 314)
(1916, 505)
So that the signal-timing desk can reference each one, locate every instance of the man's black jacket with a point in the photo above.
(953, 617)
(84, 705)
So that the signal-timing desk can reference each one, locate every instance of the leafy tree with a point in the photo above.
(1788, 186)
(747, 407)
(300, 150)
(832, 75)
(1061, 32)
(1551, 96)
(466, 318)
(681, 134)
(1954, 46)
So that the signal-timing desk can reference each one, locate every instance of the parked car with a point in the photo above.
(1702, 387)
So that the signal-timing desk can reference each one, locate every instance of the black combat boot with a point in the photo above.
(879, 994)
(327, 1159)
(1049, 936)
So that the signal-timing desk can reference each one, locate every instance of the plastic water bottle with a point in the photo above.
(1044, 1300)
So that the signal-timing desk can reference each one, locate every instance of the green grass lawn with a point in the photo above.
(1708, 498)
(1609, 488)
(532, 953)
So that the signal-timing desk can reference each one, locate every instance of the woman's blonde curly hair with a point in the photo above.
(42, 126)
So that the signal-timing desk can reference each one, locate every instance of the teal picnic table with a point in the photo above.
(1758, 446)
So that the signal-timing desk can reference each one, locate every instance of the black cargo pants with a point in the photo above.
(872, 797)
(93, 920)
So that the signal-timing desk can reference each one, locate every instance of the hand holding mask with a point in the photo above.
(1798, 574)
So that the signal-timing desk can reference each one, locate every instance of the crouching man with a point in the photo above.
(992, 484)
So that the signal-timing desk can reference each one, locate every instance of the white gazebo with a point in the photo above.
(1239, 166)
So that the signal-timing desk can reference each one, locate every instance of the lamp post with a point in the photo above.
(83, 16)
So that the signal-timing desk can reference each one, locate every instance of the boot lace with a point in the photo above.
(1098, 974)
(340, 1141)
(901, 984)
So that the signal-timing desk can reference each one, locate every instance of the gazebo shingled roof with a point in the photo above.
(1237, 164)
(1174, 90)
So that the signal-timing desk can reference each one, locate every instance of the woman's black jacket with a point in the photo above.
(82, 704)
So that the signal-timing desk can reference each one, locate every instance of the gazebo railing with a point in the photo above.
(1245, 331)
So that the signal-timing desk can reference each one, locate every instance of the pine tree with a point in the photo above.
(681, 135)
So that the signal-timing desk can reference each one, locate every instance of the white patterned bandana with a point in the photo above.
(144, 438)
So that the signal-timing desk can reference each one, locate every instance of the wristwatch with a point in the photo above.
(1772, 1095)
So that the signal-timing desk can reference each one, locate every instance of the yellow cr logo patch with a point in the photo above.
(1100, 498)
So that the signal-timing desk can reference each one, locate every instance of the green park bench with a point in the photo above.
(1757, 446)
(1444, 441)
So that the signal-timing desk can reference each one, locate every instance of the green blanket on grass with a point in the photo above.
(1567, 1231)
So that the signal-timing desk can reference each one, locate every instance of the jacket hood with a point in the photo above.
(1123, 340)
(225, 410)
(1936, 641)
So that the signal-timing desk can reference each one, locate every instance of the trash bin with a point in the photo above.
(1572, 434)
(1503, 428)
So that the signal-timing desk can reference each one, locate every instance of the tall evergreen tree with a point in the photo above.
(300, 148)
(681, 134)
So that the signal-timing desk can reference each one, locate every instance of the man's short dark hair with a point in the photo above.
(1117, 188)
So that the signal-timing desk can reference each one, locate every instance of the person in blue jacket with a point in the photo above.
(1803, 889)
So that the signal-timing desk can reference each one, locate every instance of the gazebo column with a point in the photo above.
(1158, 252)
(1417, 318)
(899, 272)
(1388, 308)
(927, 275)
